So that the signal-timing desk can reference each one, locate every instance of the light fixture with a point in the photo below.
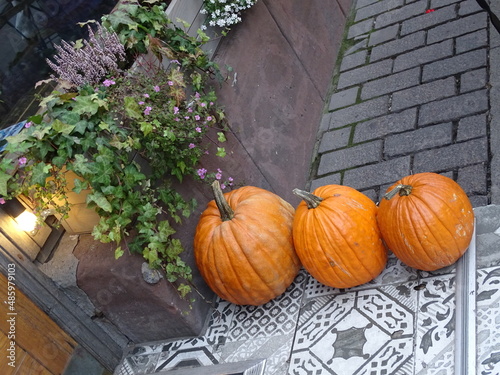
(26, 221)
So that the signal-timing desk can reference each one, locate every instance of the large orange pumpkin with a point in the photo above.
(427, 220)
(243, 245)
(336, 236)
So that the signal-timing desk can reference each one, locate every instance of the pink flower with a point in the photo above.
(146, 95)
(176, 110)
(192, 145)
(203, 104)
(186, 117)
(209, 118)
(177, 119)
(197, 117)
(170, 83)
(190, 110)
(218, 175)
(198, 129)
(197, 95)
(147, 110)
(230, 179)
(156, 88)
(2, 201)
(201, 173)
(108, 82)
(22, 160)
(28, 124)
(140, 103)
(222, 186)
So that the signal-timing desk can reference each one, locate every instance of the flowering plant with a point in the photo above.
(126, 138)
(224, 13)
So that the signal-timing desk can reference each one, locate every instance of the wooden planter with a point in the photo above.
(81, 219)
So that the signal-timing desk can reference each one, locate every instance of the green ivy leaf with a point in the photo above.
(118, 252)
(174, 249)
(62, 127)
(151, 255)
(100, 200)
(40, 173)
(221, 152)
(146, 127)
(165, 230)
(184, 290)
(80, 185)
(88, 104)
(132, 108)
(221, 137)
(103, 125)
(81, 165)
(4, 179)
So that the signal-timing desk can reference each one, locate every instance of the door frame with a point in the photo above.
(58, 306)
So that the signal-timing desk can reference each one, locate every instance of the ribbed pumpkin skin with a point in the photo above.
(338, 242)
(249, 259)
(431, 227)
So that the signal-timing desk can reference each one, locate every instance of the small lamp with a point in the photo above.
(26, 221)
(24, 218)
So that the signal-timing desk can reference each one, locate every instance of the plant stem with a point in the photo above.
(403, 190)
(226, 212)
(311, 200)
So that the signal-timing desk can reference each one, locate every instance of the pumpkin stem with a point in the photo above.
(403, 190)
(311, 200)
(226, 212)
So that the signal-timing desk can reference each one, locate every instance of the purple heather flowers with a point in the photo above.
(91, 63)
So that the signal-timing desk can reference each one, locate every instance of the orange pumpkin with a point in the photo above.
(336, 236)
(243, 245)
(427, 220)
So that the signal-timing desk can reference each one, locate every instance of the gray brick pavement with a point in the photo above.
(359, 112)
(398, 46)
(471, 41)
(453, 65)
(453, 108)
(364, 73)
(424, 93)
(392, 83)
(413, 95)
(401, 14)
(426, 20)
(354, 156)
(459, 27)
(452, 156)
(420, 139)
(424, 55)
(472, 127)
(385, 125)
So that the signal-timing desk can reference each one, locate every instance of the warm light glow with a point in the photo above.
(26, 221)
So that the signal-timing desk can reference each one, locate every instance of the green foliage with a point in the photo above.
(147, 28)
(127, 140)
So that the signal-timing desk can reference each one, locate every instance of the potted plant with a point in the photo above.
(122, 132)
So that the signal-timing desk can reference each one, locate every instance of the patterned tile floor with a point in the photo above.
(401, 323)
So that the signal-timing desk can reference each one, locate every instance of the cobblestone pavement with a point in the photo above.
(414, 92)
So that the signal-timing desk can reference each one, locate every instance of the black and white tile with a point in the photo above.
(488, 321)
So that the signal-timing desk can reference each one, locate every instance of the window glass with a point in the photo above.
(29, 29)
